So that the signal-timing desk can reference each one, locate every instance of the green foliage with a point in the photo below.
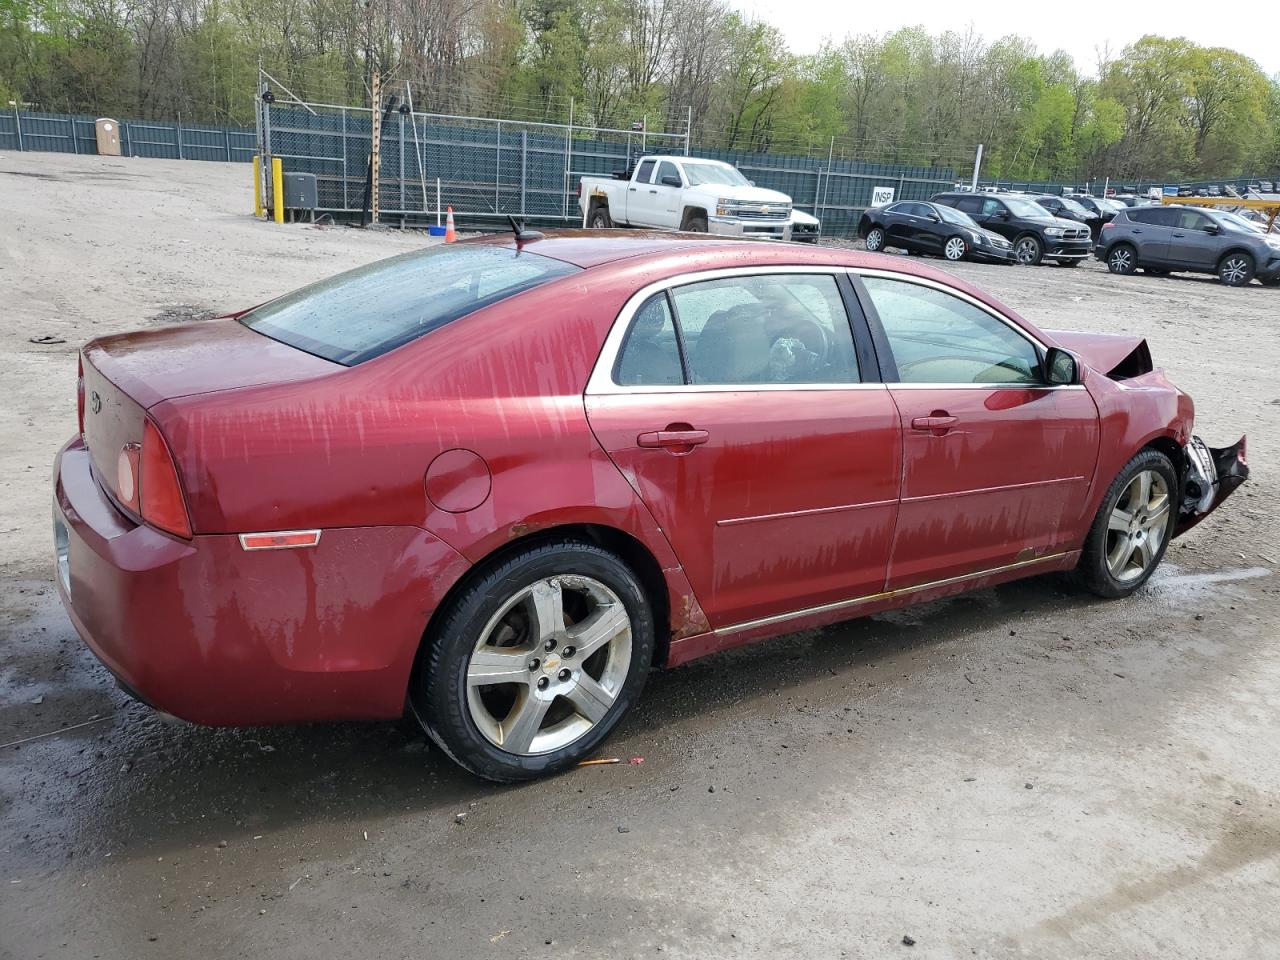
(1164, 108)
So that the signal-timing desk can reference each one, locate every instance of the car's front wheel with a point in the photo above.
(875, 239)
(1122, 259)
(1236, 269)
(1028, 250)
(1132, 528)
(955, 249)
(533, 664)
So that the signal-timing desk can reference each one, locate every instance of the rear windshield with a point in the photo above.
(366, 312)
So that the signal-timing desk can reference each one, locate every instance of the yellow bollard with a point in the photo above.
(258, 211)
(277, 189)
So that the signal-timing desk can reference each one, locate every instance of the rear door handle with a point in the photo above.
(653, 191)
(1179, 235)
(672, 438)
(938, 424)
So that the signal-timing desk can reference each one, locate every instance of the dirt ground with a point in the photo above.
(1019, 772)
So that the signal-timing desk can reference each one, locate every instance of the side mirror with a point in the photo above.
(935, 218)
(1213, 229)
(1001, 214)
(670, 181)
(1061, 368)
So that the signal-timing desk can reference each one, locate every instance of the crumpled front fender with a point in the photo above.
(1213, 474)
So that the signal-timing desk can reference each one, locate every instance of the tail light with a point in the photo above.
(158, 492)
(80, 392)
(1108, 225)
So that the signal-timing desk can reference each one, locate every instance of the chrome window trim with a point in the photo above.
(601, 382)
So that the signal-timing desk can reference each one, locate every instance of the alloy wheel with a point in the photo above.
(954, 249)
(1234, 271)
(875, 240)
(1121, 261)
(1137, 526)
(549, 665)
(1026, 250)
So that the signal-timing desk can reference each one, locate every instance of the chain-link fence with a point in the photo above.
(488, 169)
(163, 140)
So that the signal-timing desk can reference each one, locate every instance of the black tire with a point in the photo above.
(438, 692)
(1122, 259)
(1236, 268)
(1094, 572)
(875, 240)
(1028, 250)
(600, 219)
(697, 223)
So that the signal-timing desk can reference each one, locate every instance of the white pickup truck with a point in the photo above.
(685, 193)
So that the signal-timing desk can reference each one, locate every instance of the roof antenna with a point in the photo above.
(523, 235)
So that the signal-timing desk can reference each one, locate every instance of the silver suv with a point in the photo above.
(1170, 238)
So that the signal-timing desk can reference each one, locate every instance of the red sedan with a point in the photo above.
(495, 482)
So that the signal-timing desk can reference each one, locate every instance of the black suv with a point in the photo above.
(1034, 232)
(1169, 238)
(1069, 208)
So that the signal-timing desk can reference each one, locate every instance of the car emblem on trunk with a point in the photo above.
(95, 402)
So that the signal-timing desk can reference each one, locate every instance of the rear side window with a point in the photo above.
(645, 173)
(1157, 216)
(967, 204)
(369, 311)
(786, 328)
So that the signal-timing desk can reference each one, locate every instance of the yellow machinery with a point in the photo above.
(1269, 207)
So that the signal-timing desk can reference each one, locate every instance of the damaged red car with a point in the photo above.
(494, 483)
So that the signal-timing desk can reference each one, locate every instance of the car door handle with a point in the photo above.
(939, 423)
(1179, 235)
(673, 438)
(1135, 231)
(653, 191)
(632, 189)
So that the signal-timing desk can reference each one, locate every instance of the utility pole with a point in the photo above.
(375, 144)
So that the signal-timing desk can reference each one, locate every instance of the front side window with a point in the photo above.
(667, 169)
(371, 310)
(938, 338)
(1191, 220)
(991, 207)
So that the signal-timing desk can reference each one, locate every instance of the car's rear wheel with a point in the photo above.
(1122, 259)
(1028, 250)
(1236, 269)
(1132, 528)
(600, 219)
(875, 239)
(536, 662)
(955, 249)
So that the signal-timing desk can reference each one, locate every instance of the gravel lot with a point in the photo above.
(1021, 772)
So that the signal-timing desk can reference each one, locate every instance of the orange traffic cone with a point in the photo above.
(450, 234)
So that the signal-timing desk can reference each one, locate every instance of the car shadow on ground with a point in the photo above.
(139, 780)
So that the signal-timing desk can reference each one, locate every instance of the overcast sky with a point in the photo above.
(1080, 27)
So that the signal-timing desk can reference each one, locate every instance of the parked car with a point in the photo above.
(494, 482)
(685, 193)
(919, 227)
(804, 227)
(1072, 208)
(1103, 208)
(1266, 186)
(1034, 232)
(1183, 238)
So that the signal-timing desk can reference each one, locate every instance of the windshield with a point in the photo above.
(366, 312)
(1240, 223)
(1025, 208)
(700, 173)
(952, 215)
(1075, 206)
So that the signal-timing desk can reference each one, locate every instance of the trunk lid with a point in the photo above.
(127, 374)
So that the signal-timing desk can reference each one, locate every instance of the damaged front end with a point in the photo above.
(1212, 475)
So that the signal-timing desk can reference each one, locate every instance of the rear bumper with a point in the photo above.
(213, 634)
